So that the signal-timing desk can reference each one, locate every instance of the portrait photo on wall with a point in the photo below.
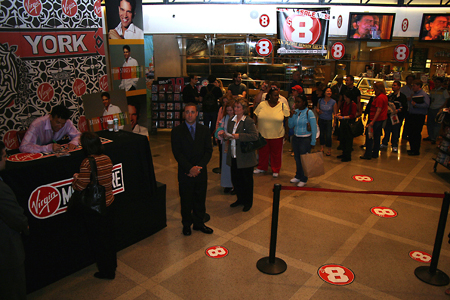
(102, 106)
(137, 111)
(124, 19)
(435, 27)
(370, 26)
(127, 67)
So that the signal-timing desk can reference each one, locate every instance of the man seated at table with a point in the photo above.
(45, 131)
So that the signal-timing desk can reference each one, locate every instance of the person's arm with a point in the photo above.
(82, 179)
(11, 213)
(313, 124)
(73, 134)
(208, 149)
(258, 99)
(447, 99)
(425, 104)
(29, 142)
(244, 94)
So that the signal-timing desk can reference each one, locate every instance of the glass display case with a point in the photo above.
(365, 86)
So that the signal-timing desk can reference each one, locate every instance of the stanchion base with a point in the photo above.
(439, 278)
(217, 170)
(272, 269)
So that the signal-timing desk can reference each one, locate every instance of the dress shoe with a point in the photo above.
(346, 159)
(233, 192)
(227, 190)
(365, 157)
(204, 229)
(187, 230)
(246, 208)
(102, 275)
(340, 156)
(234, 204)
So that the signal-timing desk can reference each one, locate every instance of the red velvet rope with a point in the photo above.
(429, 195)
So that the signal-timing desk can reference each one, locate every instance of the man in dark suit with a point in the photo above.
(12, 255)
(192, 148)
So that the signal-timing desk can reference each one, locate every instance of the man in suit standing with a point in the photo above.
(12, 255)
(192, 148)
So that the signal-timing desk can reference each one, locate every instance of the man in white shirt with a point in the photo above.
(128, 84)
(109, 108)
(126, 29)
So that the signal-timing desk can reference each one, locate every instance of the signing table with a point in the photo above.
(57, 245)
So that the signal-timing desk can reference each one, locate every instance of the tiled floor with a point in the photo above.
(314, 229)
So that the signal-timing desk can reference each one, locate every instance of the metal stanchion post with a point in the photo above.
(272, 265)
(431, 274)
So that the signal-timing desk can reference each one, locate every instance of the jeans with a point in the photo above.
(394, 129)
(326, 129)
(373, 145)
(300, 145)
(432, 126)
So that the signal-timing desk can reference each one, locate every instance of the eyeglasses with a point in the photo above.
(274, 88)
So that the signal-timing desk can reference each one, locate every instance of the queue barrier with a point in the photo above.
(429, 274)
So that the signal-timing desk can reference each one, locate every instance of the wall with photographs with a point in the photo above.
(52, 53)
(167, 103)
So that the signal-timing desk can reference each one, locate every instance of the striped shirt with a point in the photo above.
(104, 174)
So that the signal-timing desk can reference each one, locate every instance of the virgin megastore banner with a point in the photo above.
(302, 31)
(52, 53)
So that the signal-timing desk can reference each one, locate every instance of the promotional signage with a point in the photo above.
(302, 31)
(264, 47)
(362, 178)
(51, 199)
(52, 53)
(337, 50)
(384, 212)
(401, 53)
(217, 252)
(420, 256)
(336, 274)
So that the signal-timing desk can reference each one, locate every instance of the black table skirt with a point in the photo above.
(57, 245)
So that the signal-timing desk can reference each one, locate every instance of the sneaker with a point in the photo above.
(257, 171)
(395, 149)
(294, 180)
(275, 175)
(301, 184)
(383, 146)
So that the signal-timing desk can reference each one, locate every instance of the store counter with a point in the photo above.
(57, 245)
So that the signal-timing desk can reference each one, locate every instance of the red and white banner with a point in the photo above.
(302, 31)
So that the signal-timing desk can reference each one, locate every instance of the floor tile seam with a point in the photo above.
(406, 241)
(302, 266)
(163, 293)
(132, 293)
(323, 216)
(424, 206)
(251, 222)
(130, 272)
(369, 292)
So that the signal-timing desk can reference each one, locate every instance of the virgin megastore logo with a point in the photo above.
(51, 199)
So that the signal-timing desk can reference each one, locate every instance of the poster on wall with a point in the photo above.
(52, 54)
(302, 31)
(126, 44)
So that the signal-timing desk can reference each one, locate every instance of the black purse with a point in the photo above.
(92, 199)
(247, 147)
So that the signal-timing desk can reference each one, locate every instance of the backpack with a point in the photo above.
(209, 101)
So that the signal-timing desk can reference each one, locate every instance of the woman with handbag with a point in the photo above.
(377, 115)
(241, 128)
(225, 174)
(305, 129)
(326, 108)
(270, 116)
(99, 226)
(346, 116)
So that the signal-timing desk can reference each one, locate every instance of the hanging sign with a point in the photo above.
(337, 50)
(264, 20)
(302, 31)
(405, 24)
(264, 47)
(401, 53)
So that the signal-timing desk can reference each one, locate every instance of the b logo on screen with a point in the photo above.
(50, 200)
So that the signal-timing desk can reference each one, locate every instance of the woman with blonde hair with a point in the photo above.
(241, 128)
